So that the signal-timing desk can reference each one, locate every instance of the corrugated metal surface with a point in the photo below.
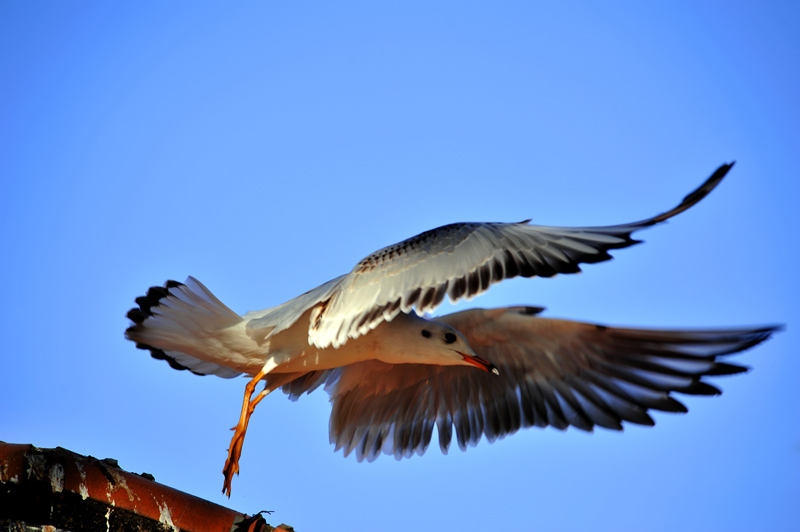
(55, 489)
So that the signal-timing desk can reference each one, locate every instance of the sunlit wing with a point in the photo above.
(463, 260)
(552, 372)
(262, 323)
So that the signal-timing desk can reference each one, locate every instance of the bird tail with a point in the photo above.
(175, 321)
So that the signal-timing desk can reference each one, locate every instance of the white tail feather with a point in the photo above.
(189, 327)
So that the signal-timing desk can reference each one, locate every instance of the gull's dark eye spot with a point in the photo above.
(449, 338)
(426, 333)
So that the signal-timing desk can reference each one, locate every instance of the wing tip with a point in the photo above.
(710, 184)
(695, 196)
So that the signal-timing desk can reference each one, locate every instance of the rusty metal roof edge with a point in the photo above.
(59, 471)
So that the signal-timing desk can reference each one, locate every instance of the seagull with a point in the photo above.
(393, 374)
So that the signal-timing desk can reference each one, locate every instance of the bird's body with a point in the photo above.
(394, 376)
(217, 341)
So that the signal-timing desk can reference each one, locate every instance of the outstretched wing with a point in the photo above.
(552, 372)
(463, 260)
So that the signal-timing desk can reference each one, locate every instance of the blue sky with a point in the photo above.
(266, 147)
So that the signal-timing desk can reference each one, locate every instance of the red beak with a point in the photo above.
(478, 362)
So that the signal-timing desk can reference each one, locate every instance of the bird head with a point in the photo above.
(415, 340)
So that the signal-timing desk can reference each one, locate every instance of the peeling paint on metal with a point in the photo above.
(57, 478)
(166, 518)
(84, 491)
(120, 482)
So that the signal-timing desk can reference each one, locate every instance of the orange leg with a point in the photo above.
(235, 449)
(248, 406)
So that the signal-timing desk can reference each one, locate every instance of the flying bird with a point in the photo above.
(393, 375)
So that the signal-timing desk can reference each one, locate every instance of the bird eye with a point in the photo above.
(449, 338)
(426, 333)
